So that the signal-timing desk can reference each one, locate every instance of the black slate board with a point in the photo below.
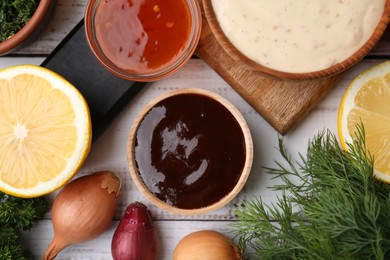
(105, 93)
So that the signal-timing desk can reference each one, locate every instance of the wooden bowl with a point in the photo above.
(333, 70)
(31, 29)
(241, 175)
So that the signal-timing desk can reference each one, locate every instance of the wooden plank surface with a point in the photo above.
(109, 151)
(283, 103)
(69, 12)
(39, 237)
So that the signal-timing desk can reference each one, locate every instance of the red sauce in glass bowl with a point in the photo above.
(142, 35)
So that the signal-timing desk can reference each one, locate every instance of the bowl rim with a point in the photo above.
(248, 149)
(225, 43)
(27, 29)
(196, 27)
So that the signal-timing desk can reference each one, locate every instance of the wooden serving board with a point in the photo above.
(283, 103)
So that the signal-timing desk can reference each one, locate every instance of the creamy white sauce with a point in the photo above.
(298, 35)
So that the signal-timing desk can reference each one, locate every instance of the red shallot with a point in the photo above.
(135, 236)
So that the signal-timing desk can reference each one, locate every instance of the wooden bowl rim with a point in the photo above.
(28, 28)
(331, 71)
(244, 174)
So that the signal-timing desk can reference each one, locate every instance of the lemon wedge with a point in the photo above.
(367, 100)
(45, 131)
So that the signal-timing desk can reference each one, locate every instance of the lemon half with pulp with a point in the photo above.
(45, 130)
(367, 100)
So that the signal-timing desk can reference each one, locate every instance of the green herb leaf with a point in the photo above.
(331, 207)
(14, 14)
(16, 215)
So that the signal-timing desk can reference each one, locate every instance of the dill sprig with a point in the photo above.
(330, 207)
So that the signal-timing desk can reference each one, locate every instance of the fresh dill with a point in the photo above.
(330, 207)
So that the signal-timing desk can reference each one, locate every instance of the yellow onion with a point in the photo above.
(206, 245)
(83, 210)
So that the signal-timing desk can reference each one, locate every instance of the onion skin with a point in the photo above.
(83, 210)
(206, 245)
(135, 238)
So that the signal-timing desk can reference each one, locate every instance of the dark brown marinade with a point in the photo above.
(190, 151)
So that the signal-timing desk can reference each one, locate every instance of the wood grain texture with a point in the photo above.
(109, 153)
(283, 103)
(244, 174)
(213, 24)
(69, 12)
(38, 238)
(66, 15)
(383, 46)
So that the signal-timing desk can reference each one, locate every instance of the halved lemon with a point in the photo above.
(45, 131)
(367, 100)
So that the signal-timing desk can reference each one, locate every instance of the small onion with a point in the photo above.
(206, 245)
(135, 237)
(83, 210)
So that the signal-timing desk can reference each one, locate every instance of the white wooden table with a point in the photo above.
(109, 151)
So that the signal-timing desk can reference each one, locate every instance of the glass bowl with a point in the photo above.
(143, 40)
